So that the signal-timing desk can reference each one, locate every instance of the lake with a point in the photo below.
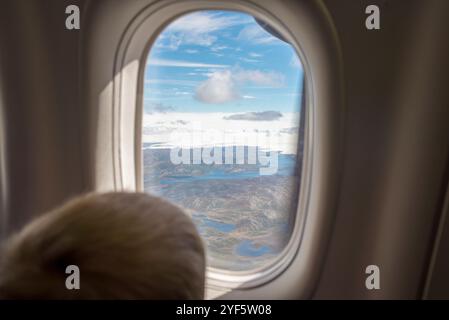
(249, 249)
(244, 248)
(286, 167)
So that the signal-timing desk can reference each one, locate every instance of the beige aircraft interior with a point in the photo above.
(342, 189)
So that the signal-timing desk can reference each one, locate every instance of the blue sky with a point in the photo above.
(221, 61)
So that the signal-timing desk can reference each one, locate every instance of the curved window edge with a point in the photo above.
(128, 89)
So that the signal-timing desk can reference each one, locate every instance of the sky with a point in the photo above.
(221, 61)
(218, 75)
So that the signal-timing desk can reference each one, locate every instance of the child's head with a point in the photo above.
(126, 246)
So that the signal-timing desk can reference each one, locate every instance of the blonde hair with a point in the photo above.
(126, 245)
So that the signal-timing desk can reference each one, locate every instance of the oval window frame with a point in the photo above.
(127, 89)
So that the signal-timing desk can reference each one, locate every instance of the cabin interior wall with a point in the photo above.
(396, 130)
(43, 117)
(397, 146)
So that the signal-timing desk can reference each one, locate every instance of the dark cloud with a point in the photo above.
(160, 107)
(290, 130)
(255, 116)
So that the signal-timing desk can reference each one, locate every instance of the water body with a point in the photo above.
(245, 247)
(221, 226)
(248, 249)
(204, 222)
(213, 174)
(286, 167)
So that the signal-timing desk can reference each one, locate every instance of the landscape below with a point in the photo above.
(245, 218)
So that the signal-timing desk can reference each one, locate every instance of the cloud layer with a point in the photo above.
(197, 29)
(255, 116)
(183, 64)
(167, 130)
(222, 86)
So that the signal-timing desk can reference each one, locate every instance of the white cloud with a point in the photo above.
(257, 35)
(258, 77)
(197, 28)
(219, 88)
(159, 128)
(222, 85)
(175, 82)
(191, 51)
(204, 22)
(184, 64)
(218, 48)
(248, 97)
(182, 93)
(249, 60)
(172, 42)
(255, 55)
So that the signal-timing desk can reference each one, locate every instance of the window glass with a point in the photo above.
(221, 133)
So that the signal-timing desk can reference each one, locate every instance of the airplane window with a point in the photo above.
(222, 135)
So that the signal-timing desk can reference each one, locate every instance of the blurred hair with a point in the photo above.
(126, 245)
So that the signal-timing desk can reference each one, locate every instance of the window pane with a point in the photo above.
(222, 103)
